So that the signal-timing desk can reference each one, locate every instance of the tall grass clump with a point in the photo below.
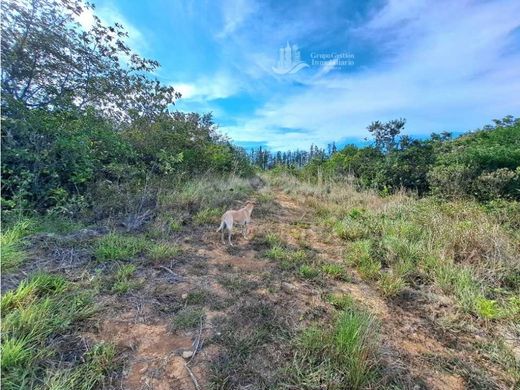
(115, 246)
(456, 246)
(342, 356)
(34, 316)
(12, 251)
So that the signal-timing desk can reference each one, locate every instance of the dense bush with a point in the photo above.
(74, 113)
(484, 164)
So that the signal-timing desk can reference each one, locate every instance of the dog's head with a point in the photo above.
(250, 203)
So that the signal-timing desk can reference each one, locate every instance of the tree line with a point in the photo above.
(483, 164)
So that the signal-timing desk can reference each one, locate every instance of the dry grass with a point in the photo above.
(398, 240)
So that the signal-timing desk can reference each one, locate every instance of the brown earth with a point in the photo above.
(139, 323)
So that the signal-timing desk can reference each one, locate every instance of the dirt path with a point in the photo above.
(229, 283)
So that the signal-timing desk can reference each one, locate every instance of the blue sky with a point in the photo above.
(442, 65)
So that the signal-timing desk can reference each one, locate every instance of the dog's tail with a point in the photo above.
(222, 224)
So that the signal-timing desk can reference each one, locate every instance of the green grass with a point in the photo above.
(12, 251)
(288, 258)
(277, 253)
(391, 284)
(123, 277)
(359, 254)
(335, 271)
(39, 311)
(115, 246)
(207, 215)
(273, 239)
(163, 251)
(351, 229)
(236, 284)
(455, 246)
(343, 356)
(308, 272)
(99, 362)
(187, 318)
(57, 224)
(341, 301)
(196, 297)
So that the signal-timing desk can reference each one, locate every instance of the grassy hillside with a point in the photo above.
(392, 266)
(334, 287)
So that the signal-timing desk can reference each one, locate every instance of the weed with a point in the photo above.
(273, 240)
(236, 283)
(343, 356)
(99, 362)
(276, 253)
(207, 215)
(359, 254)
(341, 301)
(244, 337)
(391, 284)
(351, 229)
(196, 297)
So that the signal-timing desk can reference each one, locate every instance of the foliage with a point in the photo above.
(484, 164)
(80, 108)
(50, 61)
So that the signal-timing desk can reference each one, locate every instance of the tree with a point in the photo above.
(386, 133)
(50, 61)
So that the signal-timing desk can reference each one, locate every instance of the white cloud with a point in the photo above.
(219, 86)
(234, 14)
(448, 62)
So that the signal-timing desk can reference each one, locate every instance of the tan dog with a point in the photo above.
(239, 217)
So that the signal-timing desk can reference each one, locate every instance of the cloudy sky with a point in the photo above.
(442, 65)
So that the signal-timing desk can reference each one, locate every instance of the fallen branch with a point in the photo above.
(194, 380)
(171, 272)
(197, 342)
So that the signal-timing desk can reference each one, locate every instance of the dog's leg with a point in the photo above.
(230, 227)
(222, 237)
